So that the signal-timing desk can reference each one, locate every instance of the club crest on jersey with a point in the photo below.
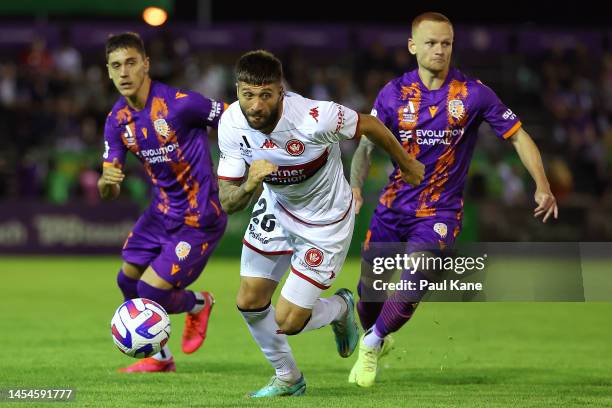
(161, 127)
(182, 250)
(456, 108)
(313, 257)
(294, 147)
(441, 229)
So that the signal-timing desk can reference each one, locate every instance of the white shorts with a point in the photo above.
(275, 241)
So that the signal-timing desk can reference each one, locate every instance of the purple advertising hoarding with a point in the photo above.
(28, 228)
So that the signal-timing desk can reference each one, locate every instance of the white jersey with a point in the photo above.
(309, 183)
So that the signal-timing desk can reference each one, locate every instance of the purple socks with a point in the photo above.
(173, 300)
(127, 285)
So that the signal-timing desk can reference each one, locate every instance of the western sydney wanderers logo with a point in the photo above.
(161, 127)
(294, 147)
(313, 257)
(456, 108)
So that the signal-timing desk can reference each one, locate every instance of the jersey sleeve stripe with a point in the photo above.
(230, 178)
(512, 130)
(306, 278)
(246, 244)
(108, 164)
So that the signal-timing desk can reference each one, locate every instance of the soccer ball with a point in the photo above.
(140, 328)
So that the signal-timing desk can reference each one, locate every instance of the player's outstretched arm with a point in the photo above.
(360, 166)
(532, 160)
(236, 196)
(110, 181)
(413, 171)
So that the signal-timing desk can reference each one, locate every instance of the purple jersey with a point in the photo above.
(169, 137)
(439, 128)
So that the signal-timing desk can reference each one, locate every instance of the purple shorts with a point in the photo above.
(177, 252)
(422, 234)
(389, 226)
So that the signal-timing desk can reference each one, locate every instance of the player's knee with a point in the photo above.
(132, 271)
(291, 323)
(249, 301)
(250, 298)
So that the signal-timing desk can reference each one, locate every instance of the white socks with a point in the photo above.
(275, 347)
(371, 339)
(164, 354)
(325, 311)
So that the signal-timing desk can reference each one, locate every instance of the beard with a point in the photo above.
(267, 121)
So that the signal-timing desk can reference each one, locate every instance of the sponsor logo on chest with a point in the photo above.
(409, 113)
(431, 136)
(130, 138)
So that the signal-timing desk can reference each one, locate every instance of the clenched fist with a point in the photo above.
(257, 172)
(109, 182)
(112, 175)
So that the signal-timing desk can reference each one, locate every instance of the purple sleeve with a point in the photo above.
(502, 120)
(201, 111)
(113, 145)
(380, 108)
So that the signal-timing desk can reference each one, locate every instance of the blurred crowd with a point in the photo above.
(53, 104)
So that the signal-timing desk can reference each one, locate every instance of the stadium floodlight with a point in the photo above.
(154, 16)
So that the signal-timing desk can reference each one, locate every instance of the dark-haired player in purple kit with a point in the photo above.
(166, 129)
(435, 112)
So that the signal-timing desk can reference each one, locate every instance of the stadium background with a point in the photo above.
(553, 69)
(55, 94)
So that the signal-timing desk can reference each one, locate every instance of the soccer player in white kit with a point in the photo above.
(285, 147)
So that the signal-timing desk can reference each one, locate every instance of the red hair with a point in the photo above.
(429, 16)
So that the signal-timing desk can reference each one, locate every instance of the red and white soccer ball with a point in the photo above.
(140, 328)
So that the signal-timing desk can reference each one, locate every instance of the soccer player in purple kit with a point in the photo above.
(166, 129)
(435, 112)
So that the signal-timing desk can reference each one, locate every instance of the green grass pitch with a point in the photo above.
(55, 315)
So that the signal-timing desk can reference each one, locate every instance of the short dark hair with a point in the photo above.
(430, 16)
(258, 68)
(124, 40)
